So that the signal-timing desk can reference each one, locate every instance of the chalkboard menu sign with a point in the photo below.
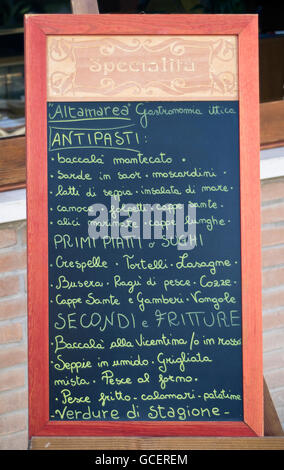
(143, 215)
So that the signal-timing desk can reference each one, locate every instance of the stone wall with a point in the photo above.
(13, 337)
(273, 289)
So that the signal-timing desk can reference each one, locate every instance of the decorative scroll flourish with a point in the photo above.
(176, 46)
(60, 49)
(224, 82)
(62, 83)
(143, 67)
(223, 50)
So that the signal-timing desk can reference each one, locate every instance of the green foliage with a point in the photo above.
(165, 6)
(12, 11)
(192, 6)
(222, 6)
(195, 6)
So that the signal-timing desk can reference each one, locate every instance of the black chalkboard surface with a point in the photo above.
(144, 328)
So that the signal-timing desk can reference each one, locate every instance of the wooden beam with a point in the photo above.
(272, 425)
(157, 443)
(80, 7)
(271, 124)
(12, 163)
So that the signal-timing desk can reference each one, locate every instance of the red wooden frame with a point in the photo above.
(37, 28)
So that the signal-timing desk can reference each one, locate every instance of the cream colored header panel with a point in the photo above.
(147, 68)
